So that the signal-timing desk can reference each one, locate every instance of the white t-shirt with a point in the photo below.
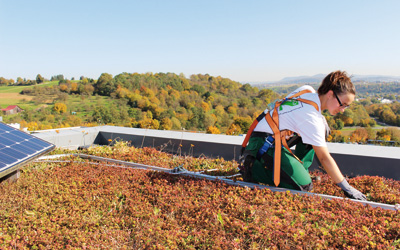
(301, 118)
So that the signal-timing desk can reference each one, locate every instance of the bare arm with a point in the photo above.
(328, 163)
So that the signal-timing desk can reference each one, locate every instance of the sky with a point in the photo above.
(246, 41)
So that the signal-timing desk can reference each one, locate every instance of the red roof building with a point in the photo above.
(12, 109)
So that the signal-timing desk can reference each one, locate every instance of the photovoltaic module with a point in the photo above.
(18, 148)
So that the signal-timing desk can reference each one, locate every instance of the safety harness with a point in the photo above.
(279, 137)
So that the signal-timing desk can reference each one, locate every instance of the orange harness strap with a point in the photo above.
(277, 155)
(250, 131)
(309, 102)
(246, 139)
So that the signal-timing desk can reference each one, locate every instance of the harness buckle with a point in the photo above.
(267, 144)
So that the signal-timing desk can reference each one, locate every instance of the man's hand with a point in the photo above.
(351, 192)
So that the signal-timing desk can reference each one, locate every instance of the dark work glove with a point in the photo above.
(351, 192)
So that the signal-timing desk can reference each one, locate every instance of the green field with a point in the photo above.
(5, 102)
(346, 131)
(9, 95)
(17, 89)
(83, 106)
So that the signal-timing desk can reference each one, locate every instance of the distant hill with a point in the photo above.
(319, 77)
(376, 78)
(303, 79)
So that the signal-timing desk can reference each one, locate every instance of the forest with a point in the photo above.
(200, 103)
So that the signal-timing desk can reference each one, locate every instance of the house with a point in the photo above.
(386, 101)
(12, 109)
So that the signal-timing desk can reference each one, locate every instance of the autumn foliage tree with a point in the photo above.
(198, 102)
(234, 130)
(359, 135)
(335, 136)
(5, 82)
(213, 130)
(60, 108)
(346, 117)
(166, 124)
(387, 113)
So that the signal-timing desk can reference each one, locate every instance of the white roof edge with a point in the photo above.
(335, 148)
(365, 150)
(179, 135)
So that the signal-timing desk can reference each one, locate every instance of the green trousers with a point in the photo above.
(294, 174)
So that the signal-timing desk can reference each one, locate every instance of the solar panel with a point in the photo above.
(18, 148)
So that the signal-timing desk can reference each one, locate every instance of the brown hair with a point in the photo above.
(337, 81)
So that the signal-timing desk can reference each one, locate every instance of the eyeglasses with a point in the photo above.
(340, 103)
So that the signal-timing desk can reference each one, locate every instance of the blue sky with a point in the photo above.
(246, 41)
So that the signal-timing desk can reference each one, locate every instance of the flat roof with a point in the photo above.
(179, 135)
(337, 148)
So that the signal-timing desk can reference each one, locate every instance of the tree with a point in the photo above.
(359, 114)
(335, 136)
(267, 95)
(205, 106)
(122, 92)
(394, 134)
(4, 81)
(149, 123)
(248, 88)
(39, 79)
(388, 116)
(199, 89)
(102, 115)
(63, 87)
(359, 135)
(176, 124)
(244, 102)
(232, 110)
(383, 134)
(371, 133)
(196, 118)
(339, 124)
(213, 130)
(57, 78)
(346, 117)
(74, 87)
(20, 80)
(243, 122)
(233, 130)
(88, 89)
(166, 124)
(209, 120)
(60, 108)
(104, 85)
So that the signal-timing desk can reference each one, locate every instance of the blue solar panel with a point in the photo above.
(18, 148)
